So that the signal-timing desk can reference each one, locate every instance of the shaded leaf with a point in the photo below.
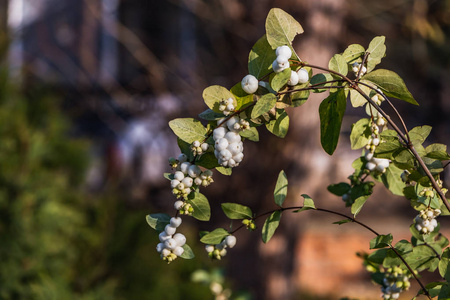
(281, 187)
(280, 126)
(202, 211)
(207, 160)
(321, 78)
(331, 112)
(270, 225)
(339, 189)
(381, 241)
(212, 96)
(260, 58)
(188, 253)
(158, 221)
(250, 134)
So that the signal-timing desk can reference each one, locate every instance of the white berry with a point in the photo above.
(249, 84)
(175, 222)
(294, 79)
(284, 51)
(303, 75)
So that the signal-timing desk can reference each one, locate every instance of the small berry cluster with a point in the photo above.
(199, 148)
(171, 243)
(226, 106)
(356, 66)
(281, 63)
(249, 224)
(228, 144)
(375, 164)
(395, 281)
(219, 251)
(425, 221)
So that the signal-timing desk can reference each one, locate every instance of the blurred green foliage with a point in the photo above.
(57, 241)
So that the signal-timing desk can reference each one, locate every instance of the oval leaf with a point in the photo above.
(381, 241)
(236, 211)
(264, 104)
(331, 112)
(202, 211)
(215, 237)
(281, 28)
(270, 225)
(260, 58)
(158, 221)
(280, 191)
(212, 96)
(188, 129)
(188, 253)
(391, 84)
(376, 50)
(337, 63)
(280, 79)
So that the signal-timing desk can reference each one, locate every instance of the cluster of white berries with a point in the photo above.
(356, 66)
(371, 111)
(249, 84)
(187, 176)
(228, 144)
(226, 106)
(199, 148)
(171, 243)
(281, 63)
(375, 164)
(425, 221)
(394, 282)
(219, 251)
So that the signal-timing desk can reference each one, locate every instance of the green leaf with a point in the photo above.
(331, 112)
(421, 258)
(321, 78)
(356, 98)
(361, 132)
(419, 134)
(210, 115)
(308, 203)
(437, 151)
(444, 293)
(338, 64)
(264, 104)
(359, 202)
(339, 189)
(298, 98)
(392, 180)
(215, 237)
(168, 176)
(391, 84)
(202, 211)
(260, 58)
(270, 225)
(433, 289)
(207, 160)
(280, 126)
(185, 148)
(281, 28)
(250, 134)
(242, 98)
(212, 96)
(188, 129)
(377, 50)
(353, 53)
(158, 221)
(444, 269)
(377, 257)
(381, 241)
(236, 211)
(281, 187)
(224, 171)
(188, 253)
(280, 79)
(343, 222)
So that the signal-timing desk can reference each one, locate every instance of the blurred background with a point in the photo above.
(86, 90)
